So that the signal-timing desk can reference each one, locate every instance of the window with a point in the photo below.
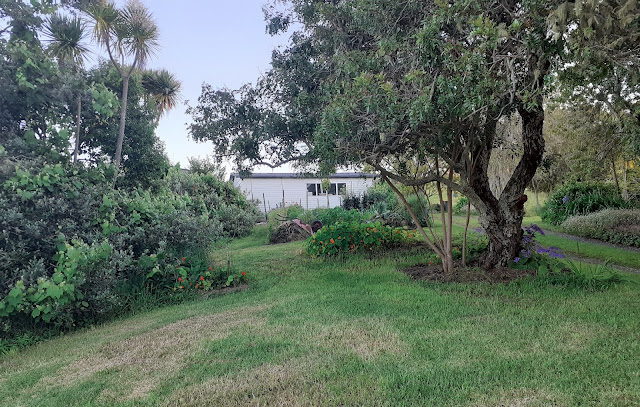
(339, 188)
(311, 189)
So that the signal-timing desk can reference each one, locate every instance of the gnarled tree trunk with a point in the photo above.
(502, 217)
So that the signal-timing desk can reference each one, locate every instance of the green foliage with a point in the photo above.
(184, 276)
(580, 198)
(124, 243)
(235, 280)
(621, 226)
(462, 204)
(418, 207)
(144, 159)
(375, 198)
(105, 103)
(333, 216)
(572, 275)
(58, 298)
(353, 237)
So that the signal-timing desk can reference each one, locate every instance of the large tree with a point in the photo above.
(402, 85)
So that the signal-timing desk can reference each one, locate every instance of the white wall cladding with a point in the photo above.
(272, 191)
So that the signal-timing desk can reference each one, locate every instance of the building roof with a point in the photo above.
(283, 175)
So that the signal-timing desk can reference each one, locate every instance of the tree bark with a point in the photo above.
(625, 186)
(615, 175)
(466, 231)
(78, 125)
(502, 218)
(123, 116)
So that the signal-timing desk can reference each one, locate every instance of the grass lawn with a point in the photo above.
(354, 331)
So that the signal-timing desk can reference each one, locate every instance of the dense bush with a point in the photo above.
(461, 206)
(620, 226)
(580, 198)
(352, 237)
(333, 216)
(418, 207)
(378, 196)
(74, 251)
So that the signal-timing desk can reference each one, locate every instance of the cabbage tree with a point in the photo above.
(130, 37)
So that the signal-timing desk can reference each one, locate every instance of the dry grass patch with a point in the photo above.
(573, 337)
(289, 384)
(520, 398)
(366, 337)
(156, 353)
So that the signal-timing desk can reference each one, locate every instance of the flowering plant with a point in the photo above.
(188, 275)
(530, 245)
(534, 255)
(351, 237)
(237, 279)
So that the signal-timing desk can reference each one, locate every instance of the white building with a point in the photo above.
(284, 189)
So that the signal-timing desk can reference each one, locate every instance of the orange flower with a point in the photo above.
(201, 278)
(332, 241)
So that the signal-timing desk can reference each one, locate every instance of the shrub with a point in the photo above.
(73, 251)
(621, 226)
(460, 205)
(418, 208)
(352, 237)
(377, 195)
(333, 216)
(580, 198)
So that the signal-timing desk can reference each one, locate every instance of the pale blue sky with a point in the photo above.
(219, 42)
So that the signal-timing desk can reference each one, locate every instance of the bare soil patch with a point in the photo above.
(435, 272)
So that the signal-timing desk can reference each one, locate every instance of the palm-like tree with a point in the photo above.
(130, 36)
(163, 88)
(66, 35)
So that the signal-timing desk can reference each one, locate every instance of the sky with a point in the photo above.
(222, 43)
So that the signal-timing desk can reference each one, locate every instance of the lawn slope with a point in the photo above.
(346, 332)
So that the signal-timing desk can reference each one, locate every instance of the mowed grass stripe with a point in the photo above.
(351, 331)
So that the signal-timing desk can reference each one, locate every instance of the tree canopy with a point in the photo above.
(399, 86)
